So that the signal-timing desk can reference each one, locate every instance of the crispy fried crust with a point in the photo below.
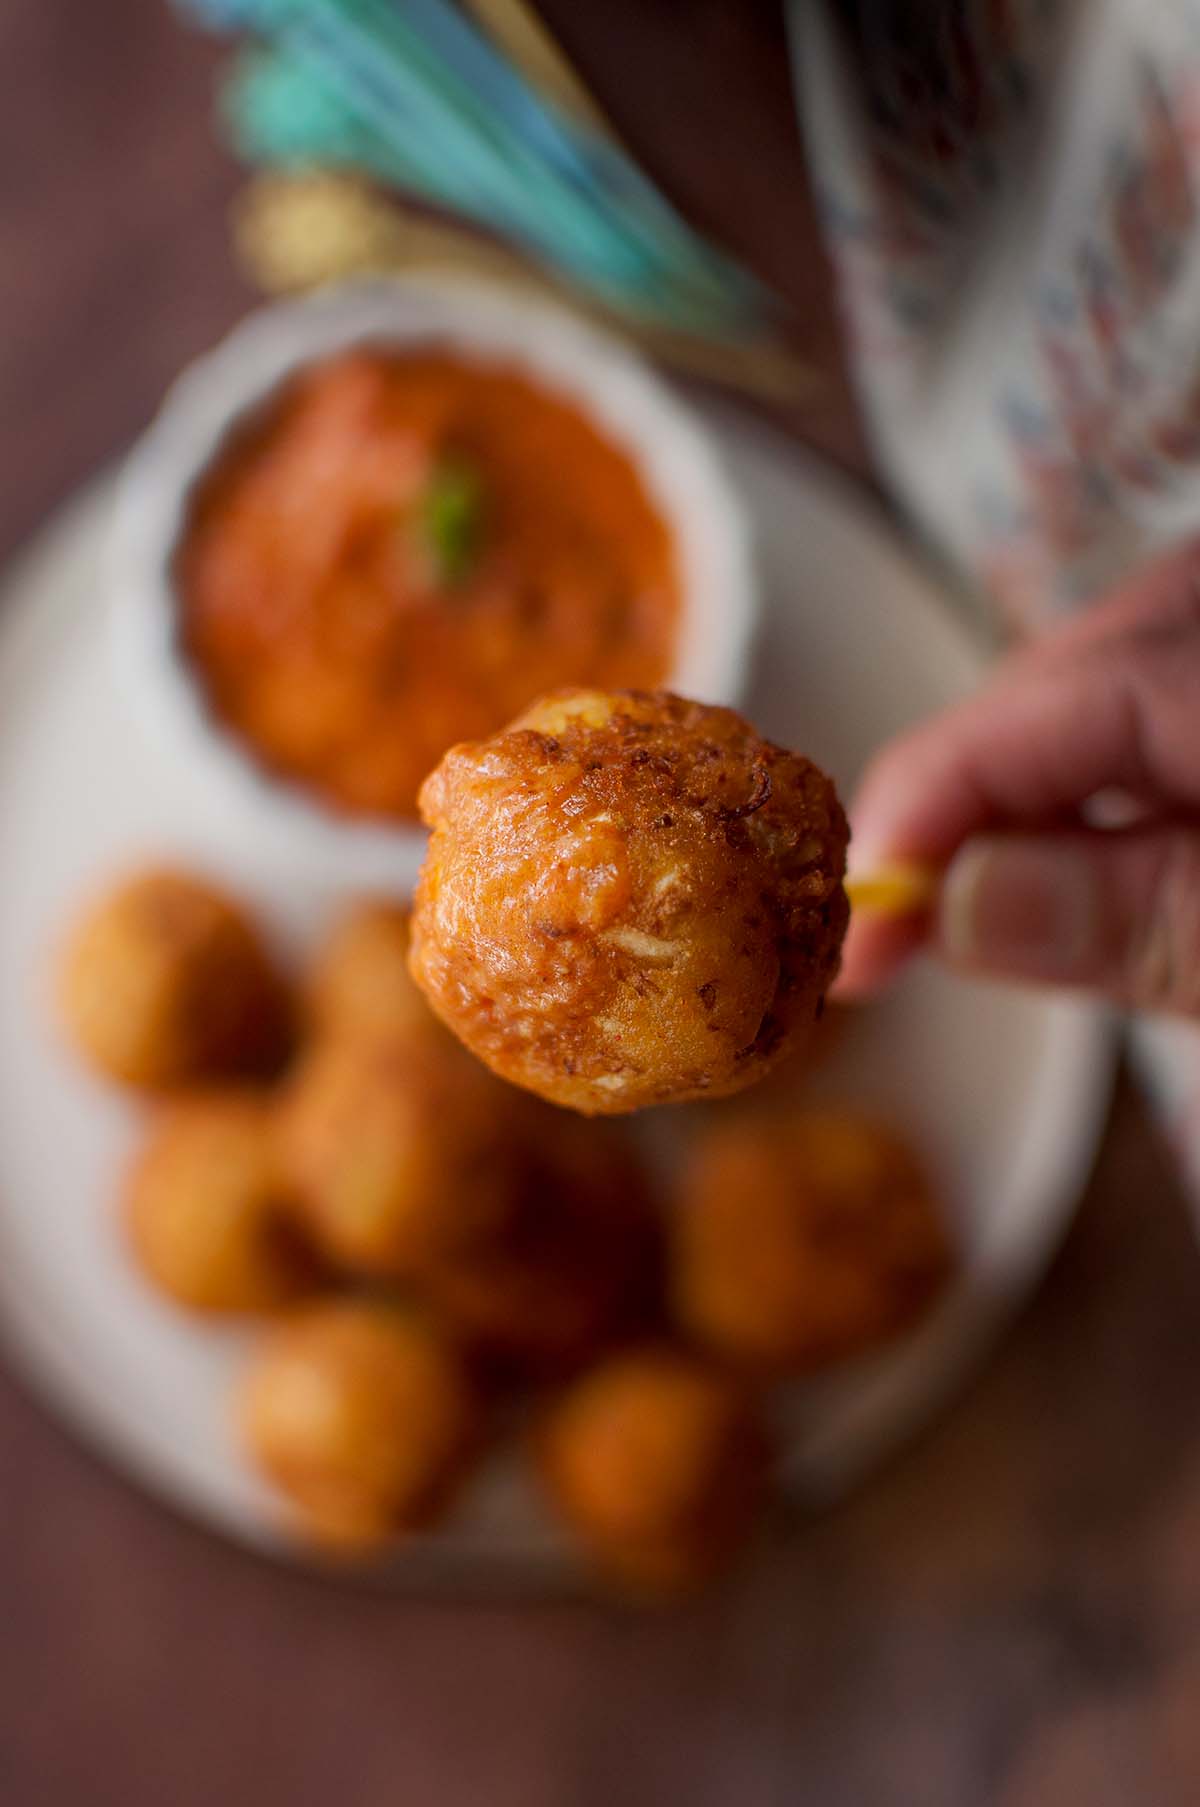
(360, 986)
(206, 1212)
(396, 1153)
(166, 982)
(802, 1241)
(629, 899)
(657, 1462)
(577, 1266)
(362, 1413)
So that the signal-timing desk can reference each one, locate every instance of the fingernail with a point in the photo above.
(1023, 907)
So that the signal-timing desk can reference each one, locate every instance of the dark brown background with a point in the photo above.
(1010, 1615)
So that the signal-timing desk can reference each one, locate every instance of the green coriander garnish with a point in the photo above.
(452, 520)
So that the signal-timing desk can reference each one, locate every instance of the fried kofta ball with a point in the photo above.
(396, 1153)
(206, 1209)
(799, 1242)
(658, 1462)
(629, 899)
(578, 1266)
(167, 982)
(362, 1413)
(360, 985)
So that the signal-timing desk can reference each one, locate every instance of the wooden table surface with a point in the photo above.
(1010, 1615)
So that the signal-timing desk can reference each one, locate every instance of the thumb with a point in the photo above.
(1117, 913)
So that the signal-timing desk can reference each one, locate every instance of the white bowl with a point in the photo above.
(672, 451)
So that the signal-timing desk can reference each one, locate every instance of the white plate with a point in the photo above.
(1007, 1092)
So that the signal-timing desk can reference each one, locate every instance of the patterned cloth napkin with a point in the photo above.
(1011, 193)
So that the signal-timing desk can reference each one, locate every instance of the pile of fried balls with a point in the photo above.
(426, 1244)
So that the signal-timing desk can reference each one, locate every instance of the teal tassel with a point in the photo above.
(410, 93)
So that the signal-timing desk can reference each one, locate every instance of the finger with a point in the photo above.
(880, 940)
(1113, 913)
(900, 811)
(874, 949)
(1033, 747)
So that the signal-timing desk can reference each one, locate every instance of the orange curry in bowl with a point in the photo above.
(401, 550)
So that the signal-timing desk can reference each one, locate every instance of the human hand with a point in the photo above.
(1002, 795)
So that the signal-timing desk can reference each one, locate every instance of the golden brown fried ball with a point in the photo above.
(167, 982)
(206, 1210)
(396, 1153)
(362, 1413)
(658, 1463)
(629, 899)
(801, 1242)
(578, 1266)
(360, 984)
